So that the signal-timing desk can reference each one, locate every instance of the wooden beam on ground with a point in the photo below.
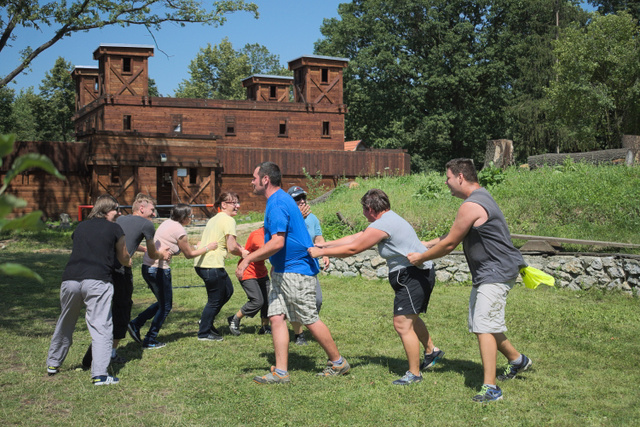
(575, 241)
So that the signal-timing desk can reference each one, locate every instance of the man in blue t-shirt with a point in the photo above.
(292, 295)
(315, 232)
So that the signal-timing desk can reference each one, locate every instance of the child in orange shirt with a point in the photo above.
(255, 282)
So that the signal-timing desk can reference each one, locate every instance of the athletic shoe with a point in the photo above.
(335, 370)
(488, 394)
(408, 378)
(152, 345)
(430, 359)
(105, 380)
(512, 370)
(211, 337)
(234, 325)
(119, 359)
(264, 330)
(272, 378)
(134, 331)
(52, 370)
(299, 340)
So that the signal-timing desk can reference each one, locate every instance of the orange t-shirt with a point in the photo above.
(255, 270)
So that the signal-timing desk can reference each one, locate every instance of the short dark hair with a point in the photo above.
(103, 205)
(465, 167)
(376, 200)
(225, 197)
(180, 212)
(271, 170)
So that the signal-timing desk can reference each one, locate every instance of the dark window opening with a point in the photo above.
(115, 175)
(126, 122)
(325, 129)
(273, 92)
(282, 129)
(193, 176)
(230, 126)
(126, 65)
(325, 75)
(95, 85)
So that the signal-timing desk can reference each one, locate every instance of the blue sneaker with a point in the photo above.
(152, 345)
(408, 378)
(105, 380)
(430, 359)
(488, 394)
(512, 370)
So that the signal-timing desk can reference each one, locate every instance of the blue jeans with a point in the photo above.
(159, 281)
(219, 291)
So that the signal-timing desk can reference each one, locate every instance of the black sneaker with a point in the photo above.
(430, 360)
(211, 337)
(234, 325)
(105, 380)
(512, 370)
(299, 340)
(134, 331)
(152, 345)
(264, 330)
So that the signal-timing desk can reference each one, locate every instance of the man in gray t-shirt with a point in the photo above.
(494, 264)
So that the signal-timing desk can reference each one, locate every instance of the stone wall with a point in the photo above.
(571, 272)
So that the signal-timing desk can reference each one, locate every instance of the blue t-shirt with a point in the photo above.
(282, 215)
(313, 226)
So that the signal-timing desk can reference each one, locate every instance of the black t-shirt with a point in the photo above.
(94, 251)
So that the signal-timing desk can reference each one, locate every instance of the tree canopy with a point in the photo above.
(217, 71)
(596, 94)
(63, 18)
(440, 78)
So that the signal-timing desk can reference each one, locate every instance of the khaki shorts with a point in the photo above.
(293, 295)
(486, 308)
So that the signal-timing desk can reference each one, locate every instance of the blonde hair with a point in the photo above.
(140, 199)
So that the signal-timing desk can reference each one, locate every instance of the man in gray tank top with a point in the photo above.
(494, 264)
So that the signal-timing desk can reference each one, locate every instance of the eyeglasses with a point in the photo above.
(232, 202)
(299, 198)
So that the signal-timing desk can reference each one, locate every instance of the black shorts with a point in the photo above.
(413, 288)
(122, 303)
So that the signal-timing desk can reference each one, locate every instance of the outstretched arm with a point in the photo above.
(469, 214)
(352, 244)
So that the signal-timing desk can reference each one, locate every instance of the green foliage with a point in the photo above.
(53, 114)
(596, 95)
(441, 78)
(9, 202)
(313, 185)
(217, 71)
(61, 18)
(574, 200)
(490, 176)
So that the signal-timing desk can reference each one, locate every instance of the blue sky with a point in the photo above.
(287, 28)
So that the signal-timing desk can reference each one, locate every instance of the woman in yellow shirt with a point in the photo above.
(210, 267)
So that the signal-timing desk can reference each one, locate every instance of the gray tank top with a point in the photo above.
(491, 256)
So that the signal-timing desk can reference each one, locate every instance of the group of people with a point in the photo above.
(291, 240)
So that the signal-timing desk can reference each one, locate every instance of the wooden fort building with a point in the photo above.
(190, 150)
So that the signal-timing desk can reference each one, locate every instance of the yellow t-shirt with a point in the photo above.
(216, 230)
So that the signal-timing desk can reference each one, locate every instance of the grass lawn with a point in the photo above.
(584, 346)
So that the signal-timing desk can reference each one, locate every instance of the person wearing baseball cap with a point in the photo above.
(315, 232)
